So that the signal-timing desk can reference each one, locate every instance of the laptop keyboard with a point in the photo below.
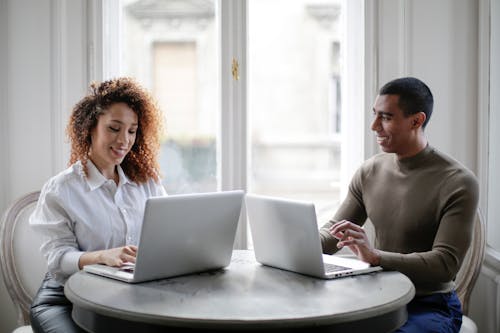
(127, 267)
(330, 268)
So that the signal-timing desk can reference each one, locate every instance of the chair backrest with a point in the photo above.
(23, 266)
(471, 266)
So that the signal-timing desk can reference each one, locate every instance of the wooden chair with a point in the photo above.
(23, 266)
(469, 272)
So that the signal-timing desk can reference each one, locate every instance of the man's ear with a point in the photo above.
(418, 119)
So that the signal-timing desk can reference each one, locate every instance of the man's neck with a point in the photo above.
(419, 145)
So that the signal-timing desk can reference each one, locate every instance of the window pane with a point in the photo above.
(294, 100)
(171, 48)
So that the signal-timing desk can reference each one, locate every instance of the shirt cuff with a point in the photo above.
(69, 262)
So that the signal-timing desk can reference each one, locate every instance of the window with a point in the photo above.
(294, 101)
(280, 128)
(171, 48)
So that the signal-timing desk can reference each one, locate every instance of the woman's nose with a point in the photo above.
(124, 137)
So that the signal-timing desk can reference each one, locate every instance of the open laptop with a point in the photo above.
(181, 234)
(285, 235)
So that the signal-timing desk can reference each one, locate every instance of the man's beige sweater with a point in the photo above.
(422, 207)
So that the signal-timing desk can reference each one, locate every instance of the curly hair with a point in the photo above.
(141, 163)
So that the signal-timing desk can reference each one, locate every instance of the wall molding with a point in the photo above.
(493, 157)
(492, 260)
(490, 272)
(58, 64)
(69, 72)
(94, 30)
(4, 107)
(387, 52)
(483, 98)
(371, 69)
(404, 35)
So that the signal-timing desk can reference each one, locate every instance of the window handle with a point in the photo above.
(235, 69)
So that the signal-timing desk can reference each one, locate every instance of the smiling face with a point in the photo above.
(113, 137)
(396, 132)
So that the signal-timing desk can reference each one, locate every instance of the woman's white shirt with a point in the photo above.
(77, 214)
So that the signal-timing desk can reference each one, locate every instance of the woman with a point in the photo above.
(92, 212)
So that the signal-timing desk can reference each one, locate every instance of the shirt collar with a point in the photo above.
(123, 177)
(95, 179)
(416, 161)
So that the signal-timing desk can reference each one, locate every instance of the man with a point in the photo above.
(421, 202)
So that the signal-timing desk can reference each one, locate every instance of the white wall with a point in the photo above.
(7, 318)
(28, 100)
(443, 43)
(43, 72)
(44, 69)
(436, 41)
(3, 99)
(25, 113)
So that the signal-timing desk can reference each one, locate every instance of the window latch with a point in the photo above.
(235, 69)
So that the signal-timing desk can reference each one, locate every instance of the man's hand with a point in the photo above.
(354, 237)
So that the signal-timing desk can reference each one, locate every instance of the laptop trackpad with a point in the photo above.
(346, 262)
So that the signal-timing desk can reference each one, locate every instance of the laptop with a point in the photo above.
(285, 235)
(181, 234)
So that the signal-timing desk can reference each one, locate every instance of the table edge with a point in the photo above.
(238, 323)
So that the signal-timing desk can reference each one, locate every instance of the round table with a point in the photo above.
(244, 296)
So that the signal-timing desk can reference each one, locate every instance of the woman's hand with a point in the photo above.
(111, 257)
(354, 237)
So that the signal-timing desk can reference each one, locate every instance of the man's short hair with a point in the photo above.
(414, 96)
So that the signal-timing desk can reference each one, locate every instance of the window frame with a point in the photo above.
(234, 162)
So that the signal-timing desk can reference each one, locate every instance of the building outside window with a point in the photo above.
(294, 87)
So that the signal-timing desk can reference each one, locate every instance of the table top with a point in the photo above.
(244, 294)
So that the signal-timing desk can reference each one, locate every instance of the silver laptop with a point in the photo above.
(285, 235)
(181, 234)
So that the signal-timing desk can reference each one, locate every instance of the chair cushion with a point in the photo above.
(23, 329)
(468, 326)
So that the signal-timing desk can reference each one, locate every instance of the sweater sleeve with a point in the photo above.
(441, 264)
(351, 209)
